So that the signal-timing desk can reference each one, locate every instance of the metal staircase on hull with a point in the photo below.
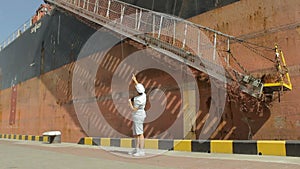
(199, 47)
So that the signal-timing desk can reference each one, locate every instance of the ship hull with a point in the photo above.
(41, 68)
(266, 23)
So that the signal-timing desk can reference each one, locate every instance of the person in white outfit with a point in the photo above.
(137, 104)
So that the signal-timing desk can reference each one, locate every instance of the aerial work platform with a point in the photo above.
(284, 81)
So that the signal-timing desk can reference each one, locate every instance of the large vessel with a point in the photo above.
(43, 66)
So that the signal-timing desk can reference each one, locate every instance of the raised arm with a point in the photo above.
(129, 101)
(134, 79)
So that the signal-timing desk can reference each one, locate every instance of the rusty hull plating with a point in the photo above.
(42, 100)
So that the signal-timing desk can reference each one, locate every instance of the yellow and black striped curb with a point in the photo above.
(255, 147)
(44, 139)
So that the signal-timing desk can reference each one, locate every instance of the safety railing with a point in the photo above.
(153, 28)
(16, 34)
(202, 48)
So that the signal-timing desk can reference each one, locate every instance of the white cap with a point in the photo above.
(140, 88)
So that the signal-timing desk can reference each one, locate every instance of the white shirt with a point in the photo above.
(139, 102)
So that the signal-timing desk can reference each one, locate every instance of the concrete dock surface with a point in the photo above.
(19, 154)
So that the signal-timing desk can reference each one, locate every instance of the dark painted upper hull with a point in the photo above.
(182, 8)
(57, 39)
